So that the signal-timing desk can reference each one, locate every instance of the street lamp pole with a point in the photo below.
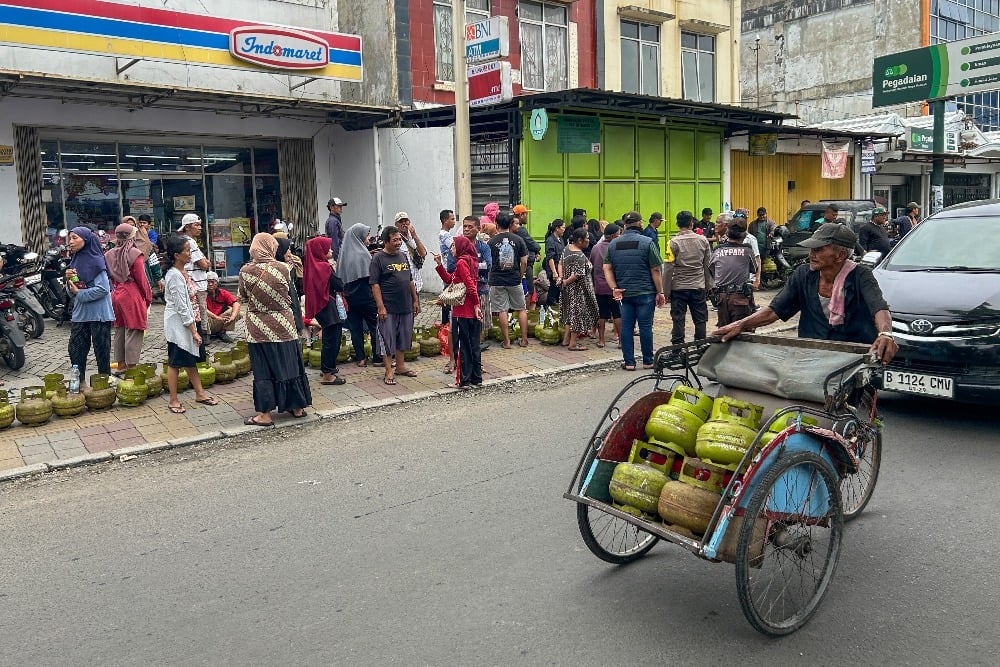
(463, 151)
(756, 56)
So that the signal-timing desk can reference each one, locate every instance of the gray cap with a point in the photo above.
(833, 233)
(611, 229)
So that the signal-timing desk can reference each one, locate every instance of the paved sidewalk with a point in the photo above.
(120, 430)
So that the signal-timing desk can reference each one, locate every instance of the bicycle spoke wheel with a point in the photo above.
(609, 538)
(857, 489)
(789, 543)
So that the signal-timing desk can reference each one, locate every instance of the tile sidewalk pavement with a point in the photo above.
(92, 436)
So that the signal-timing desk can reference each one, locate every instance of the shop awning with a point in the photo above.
(135, 96)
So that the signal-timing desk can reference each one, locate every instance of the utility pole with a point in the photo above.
(463, 157)
(937, 169)
(756, 55)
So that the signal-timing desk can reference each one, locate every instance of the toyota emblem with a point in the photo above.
(921, 326)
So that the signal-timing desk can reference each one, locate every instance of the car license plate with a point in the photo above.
(918, 383)
(32, 279)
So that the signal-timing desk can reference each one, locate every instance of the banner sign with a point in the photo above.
(763, 144)
(934, 72)
(835, 158)
(868, 158)
(578, 134)
(488, 39)
(490, 83)
(920, 139)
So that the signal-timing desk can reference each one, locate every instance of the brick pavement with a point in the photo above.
(93, 436)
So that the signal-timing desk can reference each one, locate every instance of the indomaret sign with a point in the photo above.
(936, 72)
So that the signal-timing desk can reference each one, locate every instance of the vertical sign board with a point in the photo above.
(488, 39)
(934, 72)
(868, 158)
(490, 83)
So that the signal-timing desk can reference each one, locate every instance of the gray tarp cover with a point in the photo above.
(794, 373)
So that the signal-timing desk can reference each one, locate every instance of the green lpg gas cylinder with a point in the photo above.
(637, 485)
(154, 383)
(679, 419)
(784, 422)
(132, 391)
(725, 437)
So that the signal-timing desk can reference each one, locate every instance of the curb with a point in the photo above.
(127, 453)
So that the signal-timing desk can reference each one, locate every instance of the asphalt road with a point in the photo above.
(435, 533)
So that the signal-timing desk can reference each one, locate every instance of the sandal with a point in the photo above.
(627, 367)
(449, 369)
(407, 373)
(252, 421)
(177, 409)
(211, 400)
(389, 381)
(455, 385)
(577, 348)
(600, 345)
(336, 380)
(298, 416)
(362, 363)
(522, 343)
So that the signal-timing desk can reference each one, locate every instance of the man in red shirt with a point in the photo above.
(223, 310)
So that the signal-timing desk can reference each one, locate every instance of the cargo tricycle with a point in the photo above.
(695, 461)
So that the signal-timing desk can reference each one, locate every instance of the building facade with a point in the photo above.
(233, 111)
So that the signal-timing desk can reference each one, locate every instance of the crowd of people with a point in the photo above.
(593, 273)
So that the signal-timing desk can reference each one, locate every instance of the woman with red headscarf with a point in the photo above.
(323, 292)
(130, 296)
(465, 317)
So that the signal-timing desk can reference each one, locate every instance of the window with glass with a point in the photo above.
(960, 19)
(444, 43)
(697, 67)
(640, 58)
(544, 45)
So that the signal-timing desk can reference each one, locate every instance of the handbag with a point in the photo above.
(453, 294)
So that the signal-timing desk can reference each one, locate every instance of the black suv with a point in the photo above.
(942, 282)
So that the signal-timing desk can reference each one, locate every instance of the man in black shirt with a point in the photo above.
(509, 255)
(836, 299)
(874, 235)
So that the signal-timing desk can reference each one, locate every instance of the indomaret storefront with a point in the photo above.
(107, 109)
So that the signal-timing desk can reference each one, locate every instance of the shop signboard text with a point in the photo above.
(490, 83)
(279, 48)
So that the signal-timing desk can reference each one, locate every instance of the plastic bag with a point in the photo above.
(444, 337)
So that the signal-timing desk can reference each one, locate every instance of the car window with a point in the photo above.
(800, 222)
(942, 242)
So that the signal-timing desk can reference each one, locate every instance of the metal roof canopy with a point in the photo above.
(736, 119)
(139, 96)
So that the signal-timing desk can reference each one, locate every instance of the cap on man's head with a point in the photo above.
(188, 219)
(402, 215)
(212, 275)
(519, 209)
(336, 201)
(833, 207)
(656, 215)
(879, 210)
(611, 229)
(740, 213)
(632, 218)
(831, 233)
(912, 206)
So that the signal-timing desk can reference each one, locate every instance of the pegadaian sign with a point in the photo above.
(279, 48)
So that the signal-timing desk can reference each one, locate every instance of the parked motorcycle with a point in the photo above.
(777, 263)
(20, 278)
(11, 337)
(51, 291)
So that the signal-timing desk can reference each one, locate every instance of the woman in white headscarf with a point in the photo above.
(352, 267)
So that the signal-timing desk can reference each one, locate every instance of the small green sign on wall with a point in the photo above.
(578, 134)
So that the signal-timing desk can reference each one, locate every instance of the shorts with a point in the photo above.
(396, 332)
(504, 298)
(608, 308)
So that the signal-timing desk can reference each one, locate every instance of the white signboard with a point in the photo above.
(488, 39)
(490, 83)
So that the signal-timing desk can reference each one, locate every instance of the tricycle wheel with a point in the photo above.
(609, 538)
(789, 543)
(856, 490)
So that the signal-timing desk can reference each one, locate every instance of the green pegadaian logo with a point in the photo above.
(896, 70)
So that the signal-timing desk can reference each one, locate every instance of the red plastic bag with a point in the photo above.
(444, 336)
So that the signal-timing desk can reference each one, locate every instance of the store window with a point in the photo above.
(640, 58)
(544, 46)
(235, 189)
(697, 67)
(444, 51)
(960, 188)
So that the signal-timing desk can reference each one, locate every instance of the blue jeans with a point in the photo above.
(638, 308)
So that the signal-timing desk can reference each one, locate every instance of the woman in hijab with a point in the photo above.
(88, 283)
(185, 347)
(466, 317)
(279, 378)
(143, 241)
(130, 296)
(284, 254)
(352, 267)
(323, 289)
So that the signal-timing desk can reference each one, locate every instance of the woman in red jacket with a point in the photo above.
(466, 318)
(130, 296)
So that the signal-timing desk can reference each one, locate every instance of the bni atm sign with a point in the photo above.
(487, 40)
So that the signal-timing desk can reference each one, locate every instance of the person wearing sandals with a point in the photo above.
(397, 303)
(130, 296)
(353, 265)
(181, 315)
(466, 317)
(578, 305)
(279, 377)
(88, 284)
(323, 290)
